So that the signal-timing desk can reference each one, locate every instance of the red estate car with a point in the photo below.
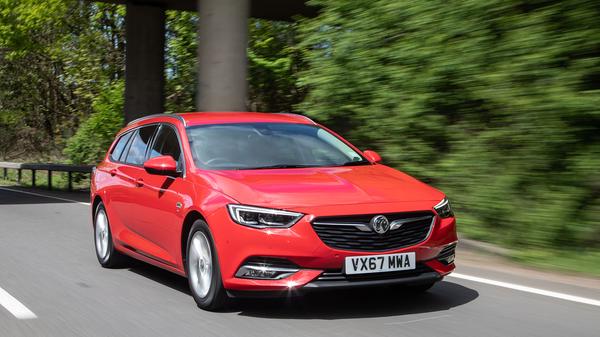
(249, 203)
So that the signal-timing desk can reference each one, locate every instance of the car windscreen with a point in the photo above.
(244, 146)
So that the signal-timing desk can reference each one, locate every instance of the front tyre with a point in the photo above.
(202, 268)
(105, 250)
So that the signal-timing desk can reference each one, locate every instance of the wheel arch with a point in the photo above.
(97, 200)
(192, 216)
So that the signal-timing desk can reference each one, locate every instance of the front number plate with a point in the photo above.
(379, 263)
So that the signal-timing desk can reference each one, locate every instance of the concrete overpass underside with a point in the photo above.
(222, 60)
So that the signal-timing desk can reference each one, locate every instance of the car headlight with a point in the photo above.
(259, 217)
(443, 209)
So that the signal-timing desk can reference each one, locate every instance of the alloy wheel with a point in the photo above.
(102, 234)
(200, 264)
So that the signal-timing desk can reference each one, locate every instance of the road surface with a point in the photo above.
(52, 285)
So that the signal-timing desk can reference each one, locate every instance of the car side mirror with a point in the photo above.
(162, 165)
(372, 156)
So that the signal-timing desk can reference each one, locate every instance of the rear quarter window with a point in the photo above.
(137, 151)
(119, 147)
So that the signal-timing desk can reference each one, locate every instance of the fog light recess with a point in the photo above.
(266, 269)
(447, 254)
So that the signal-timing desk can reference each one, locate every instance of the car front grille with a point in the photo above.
(338, 274)
(354, 232)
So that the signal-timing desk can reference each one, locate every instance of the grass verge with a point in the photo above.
(583, 262)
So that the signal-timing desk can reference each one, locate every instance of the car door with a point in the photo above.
(128, 205)
(161, 210)
(115, 186)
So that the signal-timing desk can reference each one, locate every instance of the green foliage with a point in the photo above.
(274, 60)
(495, 102)
(181, 49)
(9, 124)
(55, 57)
(94, 135)
(23, 21)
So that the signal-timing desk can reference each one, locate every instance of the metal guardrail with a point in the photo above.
(44, 167)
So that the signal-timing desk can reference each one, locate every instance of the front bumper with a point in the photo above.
(300, 245)
(428, 277)
(318, 285)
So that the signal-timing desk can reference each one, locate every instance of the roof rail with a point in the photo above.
(179, 118)
(296, 115)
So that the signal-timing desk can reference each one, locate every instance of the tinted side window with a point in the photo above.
(118, 149)
(166, 144)
(137, 150)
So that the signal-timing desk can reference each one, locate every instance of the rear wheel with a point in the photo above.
(203, 271)
(105, 250)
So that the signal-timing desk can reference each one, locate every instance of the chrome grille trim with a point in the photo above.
(360, 226)
(353, 232)
(365, 226)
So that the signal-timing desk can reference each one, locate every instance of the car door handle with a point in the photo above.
(113, 172)
(139, 182)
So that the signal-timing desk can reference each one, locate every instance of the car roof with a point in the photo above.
(222, 117)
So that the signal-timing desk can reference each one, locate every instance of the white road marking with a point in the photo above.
(526, 289)
(417, 320)
(14, 306)
(45, 196)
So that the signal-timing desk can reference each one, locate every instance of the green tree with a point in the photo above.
(55, 57)
(58, 56)
(494, 101)
(274, 61)
(95, 134)
(180, 65)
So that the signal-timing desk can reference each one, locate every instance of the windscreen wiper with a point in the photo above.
(355, 163)
(277, 166)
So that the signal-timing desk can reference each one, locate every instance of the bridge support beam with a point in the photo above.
(222, 65)
(144, 60)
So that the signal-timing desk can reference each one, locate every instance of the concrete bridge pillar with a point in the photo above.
(144, 60)
(222, 64)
